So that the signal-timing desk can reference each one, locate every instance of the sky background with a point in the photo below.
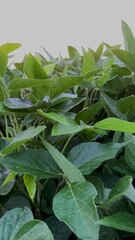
(55, 24)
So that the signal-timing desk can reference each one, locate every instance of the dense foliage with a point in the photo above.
(67, 144)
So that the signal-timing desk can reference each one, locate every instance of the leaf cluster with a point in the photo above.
(67, 144)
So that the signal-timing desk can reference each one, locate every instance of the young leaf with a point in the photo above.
(6, 181)
(33, 69)
(21, 138)
(72, 51)
(121, 221)
(129, 39)
(9, 178)
(79, 212)
(30, 183)
(88, 63)
(36, 162)
(115, 124)
(49, 68)
(9, 47)
(3, 62)
(70, 171)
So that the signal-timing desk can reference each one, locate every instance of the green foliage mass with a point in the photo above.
(67, 144)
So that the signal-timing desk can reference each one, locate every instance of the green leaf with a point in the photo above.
(99, 52)
(5, 185)
(102, 80)
(21, 138)
(12, 221)
(62, 84)
(34, 230)
(125, 57)
(17, 103)
(9, 178)
(111, 103)
(130, 150)
(19, 83)
(19, 224)
(127, 104)
(33, 69)
(57, 117)
(70, 171)
(122, 188)
(30, 183)
(121, 221)
(10, 47)
(89, 156)
(3, 62)
(129, 40)
(61, 129)
(88, 63)
(36, 162)
(81, 218)
(49, 68)
(115, 124)
(72, 51)
(87, 114)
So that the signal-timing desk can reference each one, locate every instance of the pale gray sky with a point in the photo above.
(55, 24)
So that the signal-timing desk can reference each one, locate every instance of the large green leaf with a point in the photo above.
(62, 84)
(125, 57)
(37, 162)
(75, 206)
(122, 188)
(19, 224)
(129, 40)
(21, 138)
(116, 124)
(18, 83)
(3, 62)
(89, 156)
(127, 104)
(62, 129)
(130, 150)
(33, 69)
(12, 221)
(70, 170)
(121, 221)
(34, 230)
